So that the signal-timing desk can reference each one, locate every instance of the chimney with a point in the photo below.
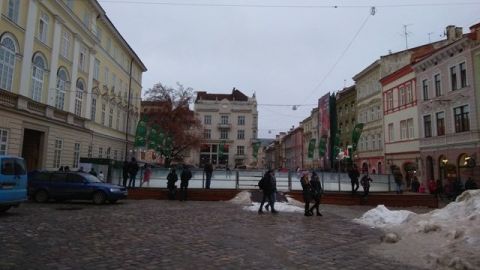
(475, 30)
(458, 32)
(454, 33)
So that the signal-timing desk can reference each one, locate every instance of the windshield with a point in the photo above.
(91, 179)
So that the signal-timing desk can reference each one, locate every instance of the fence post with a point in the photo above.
(389, 187)
(203, 180)
(289, 181)
(339, 185)
(237, 179)
(323, 181)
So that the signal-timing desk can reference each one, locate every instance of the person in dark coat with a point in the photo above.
(365, 182)
(470, 184)
(268, 186)
(307, 193)
(415, 184)
(125, 173)
(132, 172)
(172, 178)
(316, 187)
(353, 173)
(93, 172)
(185, 176)
(208, 169)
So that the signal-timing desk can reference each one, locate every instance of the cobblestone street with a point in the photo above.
(181, 235)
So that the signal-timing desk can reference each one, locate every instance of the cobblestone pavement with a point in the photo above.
(181, 235)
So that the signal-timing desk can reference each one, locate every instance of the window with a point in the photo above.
(463, 75)
(438, 86)
(38, 69)
(3, 141)
(13, 6)
(389, 100)
(110, 118)
(7, 62)
(79, 98)
(12, 166)
(453, 78)
(224, 134)
(96, 69)
(366, 143)
(115, 154)
(440, 123)
(425, 89)
(374, 146)
(108, 152)
(391, 137)
(90, 151)
(57, 154)
(100, 152)
(403, 129)
(241, 134)
(86, 18)
(379, 139)
(410, 128)
(462, 122)
(70, 3)
(109, 45)
(82, 64)
(106, 75)
(76, 155)
(402, 96)
(427, 126)
(117, 124)
(224, 119)
(93, 109)
(240, 150)
(65, 46)
(241, 120)
(43, 27)
(104, 108)
(62, 79)
(409, 90)
(114, 80)
(207, 134)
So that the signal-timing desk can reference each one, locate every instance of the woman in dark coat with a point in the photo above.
(307, 191)
(268, 186)
(172, 178)
(316, 187)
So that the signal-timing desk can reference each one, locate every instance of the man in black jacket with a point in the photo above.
(268, 186)
(353, 173)
(185, 176)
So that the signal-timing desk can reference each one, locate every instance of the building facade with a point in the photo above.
(448, 114)
(230, 128)
(346, 119)
(294, 149)
(70, 84)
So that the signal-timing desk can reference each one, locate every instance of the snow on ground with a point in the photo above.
(243, 198)
(447, 238)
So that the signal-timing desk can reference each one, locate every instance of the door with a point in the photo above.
(31, 150)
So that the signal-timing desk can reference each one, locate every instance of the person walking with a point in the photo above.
(93, 172)
(132, 172)
(307, 191)
(208, 169)
(147, 173)
(185, 176)
(172, 178)
(365, 182)
(353, 173)
(274, 194)
(101, 176)
(125, 172)
(268, 186)
(317, 190)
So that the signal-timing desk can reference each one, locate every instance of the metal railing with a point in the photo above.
(248, 179)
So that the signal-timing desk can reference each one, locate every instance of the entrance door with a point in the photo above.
(31, 150)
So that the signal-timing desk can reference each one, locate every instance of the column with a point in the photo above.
(53, 65)
(89, 91)
(25, 76)
(1, 7)
(73, 79)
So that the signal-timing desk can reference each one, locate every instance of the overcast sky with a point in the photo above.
(286, 55)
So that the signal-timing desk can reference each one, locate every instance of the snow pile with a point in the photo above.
(382, 217)
(447, 238)
(279, 206)
(242, 198)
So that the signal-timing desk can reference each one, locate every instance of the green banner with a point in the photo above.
(357, 131)
(311, 147)
(256, 146)
(322, 147)
(141, 133)
(221, 149)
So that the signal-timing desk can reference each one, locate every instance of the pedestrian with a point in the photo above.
(61, 169)
(228, 172)
(125, 172)
(93, 172)
(432, 186)
(317, 190)
(268, 186)
(101, 176)
(307, 192)
(172, 178)
(365, 182)
(415, 184)
(274, 194)
(185, 176)
(66, 169)
(81, 169)
(397, 176)
(132, 172)
(208, 169)
(353, 173)
(147, 173)
(470, 184)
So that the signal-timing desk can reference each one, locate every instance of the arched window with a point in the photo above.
(62, 79)
(79, 97)
(38, 69)
(7, 62)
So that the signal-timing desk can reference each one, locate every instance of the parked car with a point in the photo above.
(13, 182)
(61, 186)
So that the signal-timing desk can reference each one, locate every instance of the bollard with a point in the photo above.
(237, 180)
(389, 185)
(339, 184)
(289, 181)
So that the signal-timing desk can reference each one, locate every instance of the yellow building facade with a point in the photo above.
(70, 85)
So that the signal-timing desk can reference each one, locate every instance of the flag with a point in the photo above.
(141, 133)
(255, 146)
(311, 148)
(322, 147)
(357, 131)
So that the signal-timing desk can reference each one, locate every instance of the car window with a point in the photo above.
(58, 178)
(8, 166)
(91, 179)
(20, 167)
(75, 178)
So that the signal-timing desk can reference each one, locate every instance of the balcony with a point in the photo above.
(224, 125)
(240, 156)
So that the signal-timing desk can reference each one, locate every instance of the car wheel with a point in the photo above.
(4, 208)
(99, 197)
(41, 196)
(113, 201)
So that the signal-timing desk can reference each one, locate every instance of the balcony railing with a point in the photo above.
(224, 125)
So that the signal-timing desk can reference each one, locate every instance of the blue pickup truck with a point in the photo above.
(13, 182)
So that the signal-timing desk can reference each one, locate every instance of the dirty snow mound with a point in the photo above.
(280, 207)
(242, 198)
(381, 217)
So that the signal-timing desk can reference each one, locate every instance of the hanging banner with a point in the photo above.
(221, 149)
(256, 146)
(141, 133)
(357, 131)
(311, 148)
(322, 147)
